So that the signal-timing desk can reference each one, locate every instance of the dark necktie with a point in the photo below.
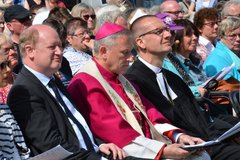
(86, 138)
(166, 86)
(191, 66)
(104, 1)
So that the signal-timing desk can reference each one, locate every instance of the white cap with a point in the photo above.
(139, 13)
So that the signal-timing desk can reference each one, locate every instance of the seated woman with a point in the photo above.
(179, 61)
(227, 50)
(12, 145)
(6, 48)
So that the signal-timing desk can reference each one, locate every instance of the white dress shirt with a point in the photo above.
(45, 80)
(160, 79)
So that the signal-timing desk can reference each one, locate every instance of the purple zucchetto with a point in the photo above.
(108, 29)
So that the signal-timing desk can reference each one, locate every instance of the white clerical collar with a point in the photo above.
(152, 67)
(43, 78)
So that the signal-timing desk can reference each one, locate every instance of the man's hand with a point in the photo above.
(175, 151)
(116, 151)
(89, 43)
(186, 139)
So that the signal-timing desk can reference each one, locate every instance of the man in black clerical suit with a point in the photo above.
(42, 106)
(168, 92)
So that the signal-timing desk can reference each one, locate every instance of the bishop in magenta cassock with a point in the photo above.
(115, 108)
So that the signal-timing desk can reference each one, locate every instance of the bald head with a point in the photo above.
(231, 8)
(141, 25)
(172, 8)
(41, 49)
(31, 36)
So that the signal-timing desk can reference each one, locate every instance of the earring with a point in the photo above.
(177, 42)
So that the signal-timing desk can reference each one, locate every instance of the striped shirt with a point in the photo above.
(12, 145)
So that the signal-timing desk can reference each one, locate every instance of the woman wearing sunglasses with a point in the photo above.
(86, 13)
(7, 50)
(12, 145)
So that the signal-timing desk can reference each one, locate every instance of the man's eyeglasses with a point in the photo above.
(175, 13)
(211, 24)
(157, 31)
(80, 35)
(86, 17)
(233, 36)
(4, 65)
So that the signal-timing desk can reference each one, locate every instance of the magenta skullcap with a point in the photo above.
(108, 29)
(168, 21)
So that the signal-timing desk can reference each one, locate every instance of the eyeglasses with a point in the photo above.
(175, 13)
(211, 24)
(86, 17)
(7, 50)
(80, 35)
(4, 65)
(157, 31)
(233, 36)
(237, 15)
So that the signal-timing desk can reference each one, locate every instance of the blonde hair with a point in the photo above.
(4, 38)
(79, 8)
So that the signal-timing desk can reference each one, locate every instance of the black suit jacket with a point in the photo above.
(184, 113)
(41, 119)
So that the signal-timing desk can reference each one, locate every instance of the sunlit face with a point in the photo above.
(174, 10)
(156, 38)
(119, 55)
(10, 52)
(232, 40)
(4, 71)
(47, 54)
(17, 26)
(90, 17)
(78, 39)
(188, 44)
(209, 29)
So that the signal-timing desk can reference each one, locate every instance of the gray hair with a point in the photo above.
(227, 25)
(227, 5)
(110, 40)
(107, 8)
(107, 17)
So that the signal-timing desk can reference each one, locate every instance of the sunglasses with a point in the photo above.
(4, 65)
(86, 17)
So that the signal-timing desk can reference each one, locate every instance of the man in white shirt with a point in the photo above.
(43, 108)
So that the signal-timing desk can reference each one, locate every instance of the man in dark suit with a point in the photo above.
(42, 106)
(168, 92)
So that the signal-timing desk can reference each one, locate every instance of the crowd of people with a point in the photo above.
(118, 79)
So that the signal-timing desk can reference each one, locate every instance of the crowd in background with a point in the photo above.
(202, 37)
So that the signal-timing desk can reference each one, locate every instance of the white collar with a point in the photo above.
(43, 78)
(152, 67)
(204, 41)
